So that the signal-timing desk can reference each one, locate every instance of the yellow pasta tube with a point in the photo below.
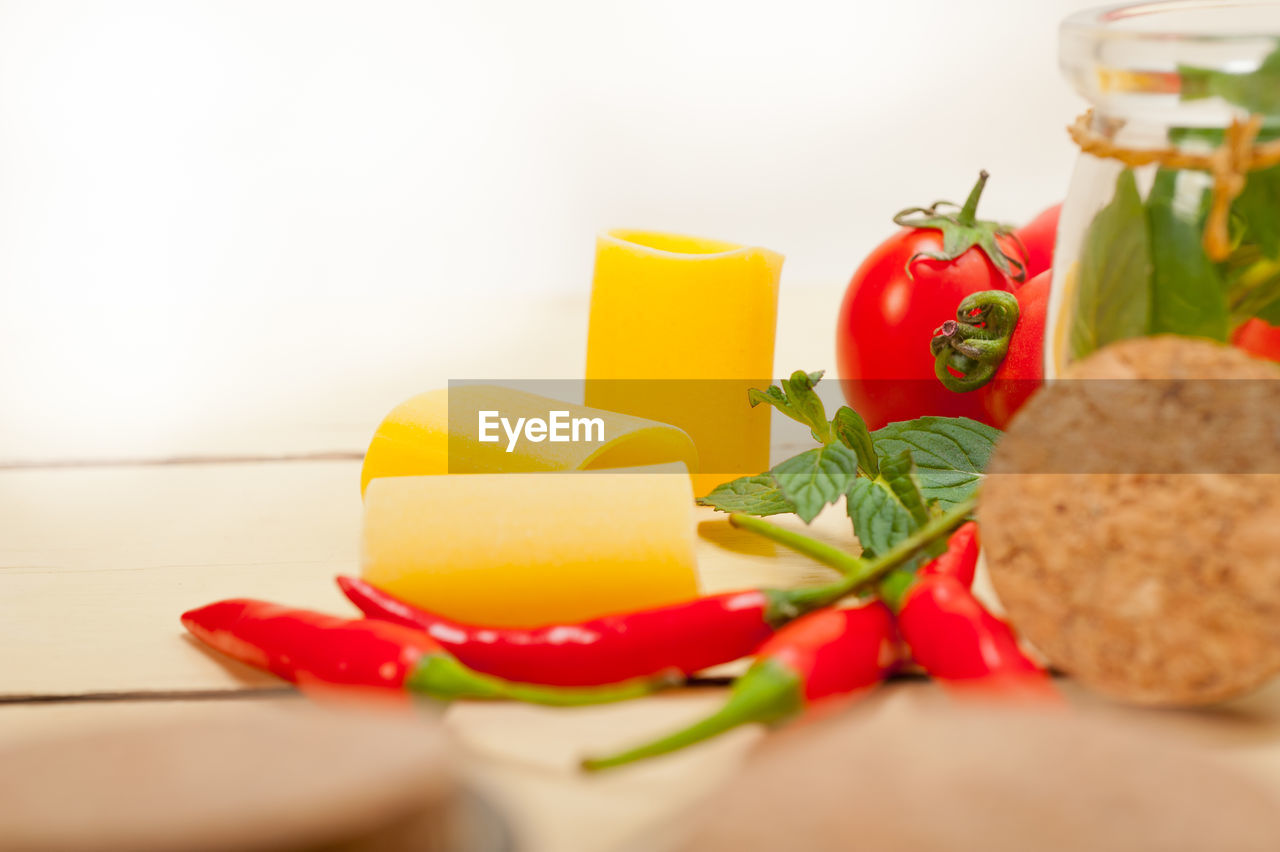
(440, 432)
(696, 318)
(532, 548)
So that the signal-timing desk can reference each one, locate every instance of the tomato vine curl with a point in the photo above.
(969, 350)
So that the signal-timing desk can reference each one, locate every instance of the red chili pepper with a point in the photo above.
(685, 637)
(950, 634)
(824, 654)
(953, 637)
(311, 648)
(960, 559)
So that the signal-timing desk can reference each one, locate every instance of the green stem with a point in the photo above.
(858, 572)
(819, 551)
(968, 214)
(1245, 300)
(962, 231)
(768, 693)
(443, 677)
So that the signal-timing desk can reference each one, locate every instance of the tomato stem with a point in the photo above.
(963, 230)
(968, 214)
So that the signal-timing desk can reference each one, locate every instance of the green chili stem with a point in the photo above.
(443, 677)
(769, 692)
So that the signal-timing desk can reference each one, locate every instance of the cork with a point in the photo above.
(1131, 521)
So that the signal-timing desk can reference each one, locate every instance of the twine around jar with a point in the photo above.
(1229, 164)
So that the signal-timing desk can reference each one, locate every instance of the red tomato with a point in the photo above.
(1037, 238)
(1022, 371)
(1259, 338)
(889, 315)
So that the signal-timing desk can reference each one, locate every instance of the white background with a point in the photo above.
(255, 225)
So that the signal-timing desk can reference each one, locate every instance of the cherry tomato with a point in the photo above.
(895, 301)
(1260, 338)
(1037, 238)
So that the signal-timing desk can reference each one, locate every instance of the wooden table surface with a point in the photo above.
(98, 558)
(97, 563)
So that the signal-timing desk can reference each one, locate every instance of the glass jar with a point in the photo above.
(1172, 220)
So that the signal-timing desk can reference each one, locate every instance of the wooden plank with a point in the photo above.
(97, 564)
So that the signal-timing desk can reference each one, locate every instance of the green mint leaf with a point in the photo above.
(771, 395)
(899, 473)
(887, 509)
(851, 430)
(879, 520)
(1187, 293)
(796, 398)
(816, 478)
(949, 453)
(1113, 291)
(749, 495)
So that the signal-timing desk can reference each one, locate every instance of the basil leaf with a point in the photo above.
(1270, 312)
(815, 478)
(749, 495)
(949, 453)
(1187, 293)
(879, 520)
(1250, 275)
(1254, 221)
(851, 429)
(1112, 293)
(1253, 285)
(1258, 207)
(1257, 91)
(796, 398)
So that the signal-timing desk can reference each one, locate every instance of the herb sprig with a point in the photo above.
(894, 480)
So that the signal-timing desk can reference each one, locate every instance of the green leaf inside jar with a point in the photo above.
(1188, 296)
(1257, 90)
(1113, 290)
